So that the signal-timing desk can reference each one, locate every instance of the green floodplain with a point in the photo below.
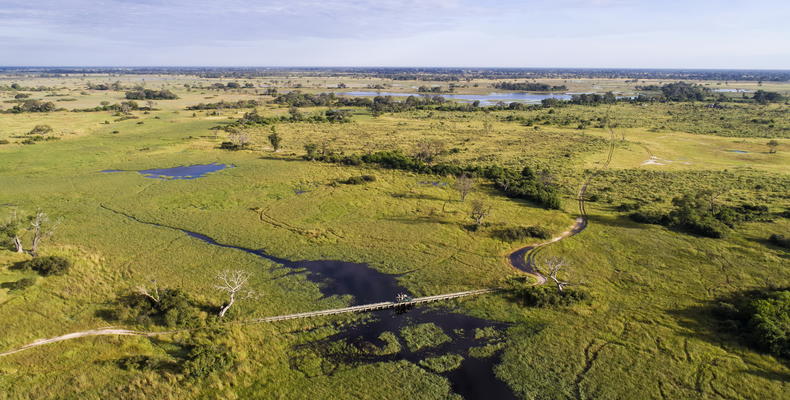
(648, 321)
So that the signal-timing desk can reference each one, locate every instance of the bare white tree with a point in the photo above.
(42, 230)
(554, 265)
(241, 139)
(464, 185)
(233, 283)
(152, 294)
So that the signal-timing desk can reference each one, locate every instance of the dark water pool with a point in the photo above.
(473, 379)
(180, 172)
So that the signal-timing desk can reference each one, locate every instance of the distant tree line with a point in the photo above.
(529, 86)
(150, 94)
(104, 86)
(225, 104)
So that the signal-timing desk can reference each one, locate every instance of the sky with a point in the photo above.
(441, 33)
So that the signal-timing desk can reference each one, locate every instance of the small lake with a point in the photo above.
(180, 172)
(733, 90)
(738, 151)
(484, 99)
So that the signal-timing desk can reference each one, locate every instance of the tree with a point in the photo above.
(427, 150)
(14, 230)
(233, 283)
(240, 139)
(464, 185)
(42, 230)
(275, 139)
(479, 211)
(772, 145)
(310, 149)
(554, 265)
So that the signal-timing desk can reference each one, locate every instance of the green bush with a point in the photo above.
(517, 233)
(358, 180)
(205, 359)
(141, 363)
(4, 141)
(760, 318)
(40, 130)
(173, 309)
(46, 266)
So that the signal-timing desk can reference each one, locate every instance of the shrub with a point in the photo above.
(516, 233)
(358, 180)
(21, 284)
(546, 296)
(205, 359)
(173, 309)
(46, 266)
(760, 318)
(4, 141)
(40, 130)
(140, 363)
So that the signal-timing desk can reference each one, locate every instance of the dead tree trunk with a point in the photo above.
(227, 306)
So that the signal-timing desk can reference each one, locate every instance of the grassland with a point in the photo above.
(646, 334)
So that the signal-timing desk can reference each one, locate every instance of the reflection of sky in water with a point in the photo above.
(181, 172)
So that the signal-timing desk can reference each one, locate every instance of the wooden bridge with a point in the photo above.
(374, 306)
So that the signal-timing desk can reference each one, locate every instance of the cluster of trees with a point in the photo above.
(104, 86)
(33, 106)
(375, 104)
(429, 89)
(529, 86)
(46, 266)
(763, 97)
(17, 227)
(18, 87)
(700, 214)
(123, 107)
(593, 99)
(150, 94)
(524, 184)
(760, 318)
(223, 105)
(231, 85)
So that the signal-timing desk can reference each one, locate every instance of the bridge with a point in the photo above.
(373, 306)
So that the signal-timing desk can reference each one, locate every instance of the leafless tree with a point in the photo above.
(150, 104)
(233, 282)
(152, 294)
(464, 185)
(554, 265)
(240, 139)
(427, 150)
(479, 211)
(42, 230)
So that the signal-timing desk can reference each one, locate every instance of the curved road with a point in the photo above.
(523, 259)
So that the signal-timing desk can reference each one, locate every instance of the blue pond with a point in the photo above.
(738, 151)
(180, 172)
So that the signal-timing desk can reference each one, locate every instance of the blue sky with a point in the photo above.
(474, 33)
